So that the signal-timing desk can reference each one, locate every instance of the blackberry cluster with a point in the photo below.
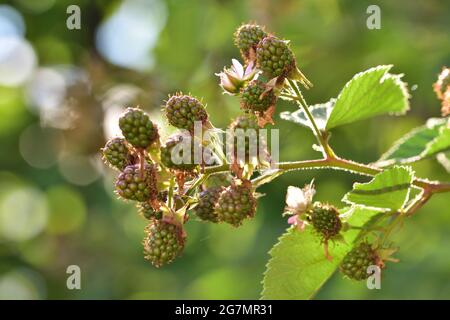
(256, 97)
(183, 110)
(164, 188)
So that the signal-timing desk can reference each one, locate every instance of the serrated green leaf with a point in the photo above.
(414, 146)
(370, 93)
(320, 113)
(440, 143)
(298, 267)
(388, 190)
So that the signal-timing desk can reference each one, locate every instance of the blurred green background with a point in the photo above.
(62, 90)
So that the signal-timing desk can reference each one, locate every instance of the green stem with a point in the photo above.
(321, 137)
(342, 164)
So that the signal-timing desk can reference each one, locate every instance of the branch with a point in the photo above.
(342, 164)
(321, 136)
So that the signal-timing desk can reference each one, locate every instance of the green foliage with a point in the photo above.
(370, 93)
(440, 143)
(298, 268)
(387, 190)
(419, 143)
(320, 112)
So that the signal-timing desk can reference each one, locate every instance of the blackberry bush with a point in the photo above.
(167, 192)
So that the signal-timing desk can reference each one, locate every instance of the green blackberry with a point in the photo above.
(355, 263)
(325, 220)
(183, 110)
(275, 58)
(146, 211)
(117, 154)
(163, 243)
(247, 37)
(235, 204)
(206, 204)
(255, 97)
(175, 158)
(137, 128)
(244, 129)
(132, 184)
(222, 179)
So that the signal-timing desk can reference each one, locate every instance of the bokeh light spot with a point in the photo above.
(17, 61)
(79, 170)
(11, 22)
(40, 147)
(67, 210)
(129, 35)
(23, 214)
(15, 286)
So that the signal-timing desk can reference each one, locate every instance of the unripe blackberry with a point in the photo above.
(132, 184)
(205, 208)
(250, 132)
(245, 122)
(183, 110)
(175, 158)
(247, 37)
(355, 263)
(325, 220)
(116, 153)
(137, 128)
(163, 243)
(235, 204)
(275, 58)
(256, 98)
(222, 179)
(146, 211)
